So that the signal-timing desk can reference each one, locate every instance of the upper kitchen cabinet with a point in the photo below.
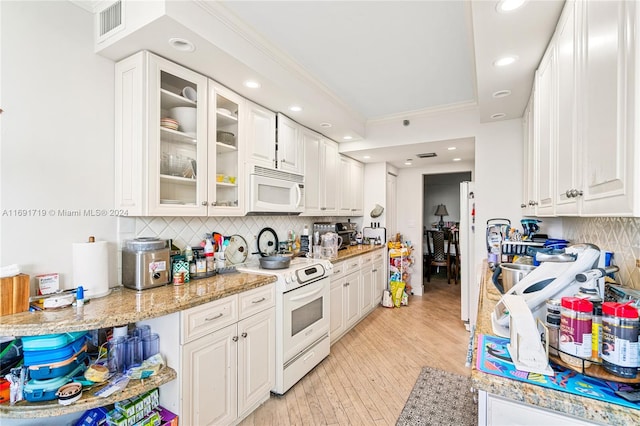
(227, 111)
(529, 181)
(545, 132)
(609, 114)
(351, 187)
(290, 152)
(161, 138)
(321, 174)
(261, 136)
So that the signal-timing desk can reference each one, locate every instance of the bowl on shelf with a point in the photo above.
(226, 137)
(187, 118)
(190, 93)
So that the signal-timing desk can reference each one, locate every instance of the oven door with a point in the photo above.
(306, 317)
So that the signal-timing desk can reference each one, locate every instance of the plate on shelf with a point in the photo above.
(165, 201)
(190, 93)
(223, 111)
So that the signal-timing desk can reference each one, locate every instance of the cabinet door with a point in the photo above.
(352, 290)
(261, 136)
(290, 146)
(337, 306)
(610, 145)
(366, 289)
(209, 383)
(330, 164)
(256, 359)
(567, 150)
(357, 188)
(545, 136)
(528, 169)
(313, 174)
(226, 150)
(379, 282)
(345, 187)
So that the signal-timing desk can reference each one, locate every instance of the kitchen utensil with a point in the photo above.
(237, 250)
(275, 262)
(187, 118)
(511, 274)
(267, 242)
(190, 93)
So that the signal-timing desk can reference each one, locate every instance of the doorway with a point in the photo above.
(439, 190)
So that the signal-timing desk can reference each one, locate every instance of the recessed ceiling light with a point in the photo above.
(326, 124)
(252, 84)
(457, 159)
(509, 5)
(407, 163)
(505, 60)
(295, 108)
(452, 148)
(366, 157)
(498, 115)
(501, 93)
(347, 138)
(181, 44)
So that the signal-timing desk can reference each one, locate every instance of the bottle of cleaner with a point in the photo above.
(208, 254)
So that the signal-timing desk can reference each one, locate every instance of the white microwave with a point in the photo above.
(274, 191)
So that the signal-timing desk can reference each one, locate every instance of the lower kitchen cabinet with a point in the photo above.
(366, 284)
(494, 411)
(379, 278)
(224, 352)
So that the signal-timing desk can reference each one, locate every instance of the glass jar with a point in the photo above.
(620, 339)
(575, 330)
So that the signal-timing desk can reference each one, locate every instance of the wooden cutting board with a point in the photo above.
(14, 294)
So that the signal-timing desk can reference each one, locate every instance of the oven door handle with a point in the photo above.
(306, 295)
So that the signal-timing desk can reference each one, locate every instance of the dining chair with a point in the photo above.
(454, 255)
(437, 253)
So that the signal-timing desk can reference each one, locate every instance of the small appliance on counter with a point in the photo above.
(146, 263)
(346, 230)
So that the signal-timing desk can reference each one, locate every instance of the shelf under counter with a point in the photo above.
(32, 410)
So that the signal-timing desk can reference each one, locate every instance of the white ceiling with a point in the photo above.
(350, 62)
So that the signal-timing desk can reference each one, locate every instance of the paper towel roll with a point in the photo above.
(91, 268)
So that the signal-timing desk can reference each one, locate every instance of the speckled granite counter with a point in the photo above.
(353, 251)
(565, 403)
(125, 306)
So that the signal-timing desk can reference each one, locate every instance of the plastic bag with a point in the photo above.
(397, 289)
(386, 299)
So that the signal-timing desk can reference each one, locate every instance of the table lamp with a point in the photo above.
(441, 210)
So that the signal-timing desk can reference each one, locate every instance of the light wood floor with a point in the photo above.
(371, 370)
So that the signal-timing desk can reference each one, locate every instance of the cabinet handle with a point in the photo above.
(204, 203)
(213, 203)
(234, 338)
(374, 270)
(323, 208)
(576, 193)
(522, 206)
(262, 299)
(244, 334)
(346, 284)
(213, 318)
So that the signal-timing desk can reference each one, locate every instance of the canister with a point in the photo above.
(620, 339)
(553, 325)
(575, 330)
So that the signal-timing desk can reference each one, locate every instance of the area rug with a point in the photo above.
(440, 398)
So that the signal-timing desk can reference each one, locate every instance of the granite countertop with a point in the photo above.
(123, 305)
(562, 402)
(358, 250)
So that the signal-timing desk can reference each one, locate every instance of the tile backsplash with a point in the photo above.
(620, 235)
(190, 230)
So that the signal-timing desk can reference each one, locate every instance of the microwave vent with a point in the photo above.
(110, 19)
(277, 174)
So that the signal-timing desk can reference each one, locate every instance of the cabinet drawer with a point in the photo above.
(378, 255)
(366, 261)
(202, 320)
(256, 300)
(338, 270)
(352, 265)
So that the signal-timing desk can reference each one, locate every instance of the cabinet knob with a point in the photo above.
(205, 203)
(576, 193)
(244, 334)
(283, 161)
(234, 338)
(523, 205)
(568, 193)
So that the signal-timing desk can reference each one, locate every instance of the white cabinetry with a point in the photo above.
(544, 132)
(351, 187)
(496, 411)
(586, 114)
(528, 169)
(321, 174)
(154, 173)
(366, 283)
(379, 277)
(290, 145)
(261, 130)
(228, 357)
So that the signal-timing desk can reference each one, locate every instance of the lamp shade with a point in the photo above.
(441, 210)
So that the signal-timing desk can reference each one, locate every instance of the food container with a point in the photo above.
(575, 331)
(620, 339)
(511, 274)
(227, 138)
(46, 390)
(187, 117)
(57, 369)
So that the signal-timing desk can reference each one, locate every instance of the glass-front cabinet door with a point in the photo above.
(226, 150)
(177, 140)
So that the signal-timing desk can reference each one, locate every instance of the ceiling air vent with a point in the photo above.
(110, 20)
(427, 155)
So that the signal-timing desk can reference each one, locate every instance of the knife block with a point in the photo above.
(14, 294)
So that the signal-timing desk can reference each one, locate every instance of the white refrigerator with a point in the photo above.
(469, 288)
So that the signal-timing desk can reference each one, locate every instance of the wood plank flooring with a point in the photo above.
(370, 372)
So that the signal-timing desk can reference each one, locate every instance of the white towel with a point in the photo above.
(9, 271)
